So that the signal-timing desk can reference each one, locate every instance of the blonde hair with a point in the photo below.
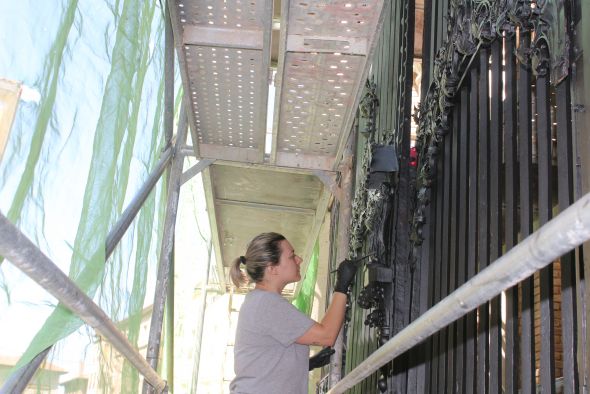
(264, 250)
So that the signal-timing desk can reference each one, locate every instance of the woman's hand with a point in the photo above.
(345, 275)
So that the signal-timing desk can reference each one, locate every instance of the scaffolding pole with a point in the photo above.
(164, 277)
(343, 247)
(18, 380)
(566, 231)
(27, 257)
(134, 206)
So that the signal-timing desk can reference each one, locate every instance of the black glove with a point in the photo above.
(321, 358)
(344, 275)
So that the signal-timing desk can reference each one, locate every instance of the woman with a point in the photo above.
(271, 353)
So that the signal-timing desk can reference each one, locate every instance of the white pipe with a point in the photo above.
(566, 231)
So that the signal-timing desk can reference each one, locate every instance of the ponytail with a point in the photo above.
(236, 274)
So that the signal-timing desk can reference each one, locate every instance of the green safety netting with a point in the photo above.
(304, 300)
(87, 132)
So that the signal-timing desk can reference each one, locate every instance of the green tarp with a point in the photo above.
(87, 132)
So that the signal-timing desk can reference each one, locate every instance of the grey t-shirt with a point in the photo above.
(266, 358)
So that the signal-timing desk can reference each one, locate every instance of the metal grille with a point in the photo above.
(340, 18)
(225, 59)
(321, 73)
(247, 14)
(225, 95)
(496, 162)
(317, 94)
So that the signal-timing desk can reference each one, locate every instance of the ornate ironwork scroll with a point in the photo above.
(369, 216)
(472, 24)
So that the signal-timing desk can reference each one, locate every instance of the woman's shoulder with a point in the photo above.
(263, 299)
(258, 305)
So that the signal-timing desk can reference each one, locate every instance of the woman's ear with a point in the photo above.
(271, 269)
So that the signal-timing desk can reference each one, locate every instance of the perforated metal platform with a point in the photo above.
(225, 50)
(322, 66)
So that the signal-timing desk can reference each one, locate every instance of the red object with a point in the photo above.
(413, 157)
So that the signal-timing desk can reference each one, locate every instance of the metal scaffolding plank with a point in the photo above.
(325, 47)
(224, 52)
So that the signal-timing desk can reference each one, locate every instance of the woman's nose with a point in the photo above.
(299, 260)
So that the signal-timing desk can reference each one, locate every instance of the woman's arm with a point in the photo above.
(326, 332)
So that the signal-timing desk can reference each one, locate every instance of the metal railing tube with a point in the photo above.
(562, 234)
(128, 215)
(18, 381)
(27, 257)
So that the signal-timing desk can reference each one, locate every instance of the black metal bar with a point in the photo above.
(163, 275)
(357, 338)
(440, 25)
(424, 281)
(430, 251)
(471, 320)
(404, 206)
(443, 368)
(135, 205)
(568, 269)
(544, 160)
(495, 241)
(527, 343)
(426, 49)
(437, 340)
(567, 231)
(427, 249)
(483, 218)
(510, 213)
(452, 262)
(463, 189)
(389, 67)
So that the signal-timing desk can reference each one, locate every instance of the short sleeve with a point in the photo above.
(282, 321)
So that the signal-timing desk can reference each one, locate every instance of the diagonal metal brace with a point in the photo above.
(27, 257)
(194, 170)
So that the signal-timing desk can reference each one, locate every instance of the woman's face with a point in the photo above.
(288, 267)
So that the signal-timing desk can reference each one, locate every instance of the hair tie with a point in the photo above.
(242, 260)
